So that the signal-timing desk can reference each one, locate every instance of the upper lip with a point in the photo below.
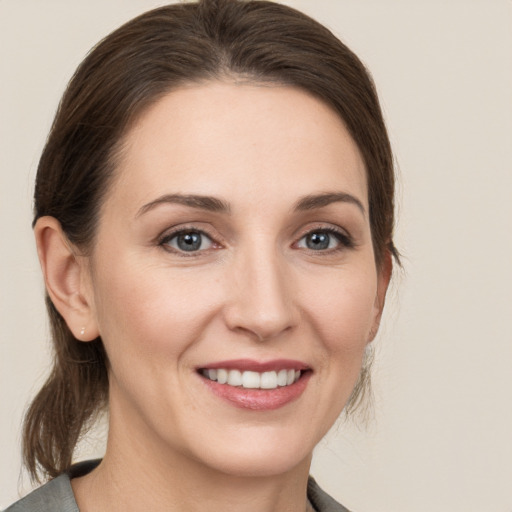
(256, 366)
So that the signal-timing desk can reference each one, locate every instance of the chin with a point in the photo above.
(257, 466)
(262, 455)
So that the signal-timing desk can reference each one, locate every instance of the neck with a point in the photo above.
(134, 476)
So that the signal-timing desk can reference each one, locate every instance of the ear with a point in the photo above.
(383, 278)
(66, 276)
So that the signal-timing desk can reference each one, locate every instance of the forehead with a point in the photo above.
(233, 139)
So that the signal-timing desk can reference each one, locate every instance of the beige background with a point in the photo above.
(442, 435)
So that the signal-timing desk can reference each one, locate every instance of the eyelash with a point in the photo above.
(345, 240)
(164, 241)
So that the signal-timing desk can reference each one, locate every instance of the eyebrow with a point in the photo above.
(214, 204)
(314, 201)
(209, 203)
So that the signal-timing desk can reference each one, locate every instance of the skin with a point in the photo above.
(254, 290)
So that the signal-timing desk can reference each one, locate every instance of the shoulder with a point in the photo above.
(321, 501)
(56, 495)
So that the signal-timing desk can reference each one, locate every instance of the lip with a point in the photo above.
(250, 365)
(258, 399)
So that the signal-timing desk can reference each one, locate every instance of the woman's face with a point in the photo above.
(234, 244)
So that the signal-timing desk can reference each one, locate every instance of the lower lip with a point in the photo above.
(259, 399)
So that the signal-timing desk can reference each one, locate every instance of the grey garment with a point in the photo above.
(57, 495)
(321, 501)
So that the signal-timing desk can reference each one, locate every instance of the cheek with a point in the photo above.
(344, 305)
(341, 310)
(151, 313)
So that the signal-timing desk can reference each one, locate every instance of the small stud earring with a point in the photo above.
(82, 331)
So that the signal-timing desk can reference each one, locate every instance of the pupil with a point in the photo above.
(189, 241)
(318, 241)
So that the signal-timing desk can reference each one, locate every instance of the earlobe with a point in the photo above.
(63, 272)
(383, 279)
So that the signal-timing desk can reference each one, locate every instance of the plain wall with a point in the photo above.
(442, 434)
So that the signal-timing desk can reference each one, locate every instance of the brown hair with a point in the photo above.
(126, 72)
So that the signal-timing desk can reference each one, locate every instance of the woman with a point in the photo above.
(214, 220)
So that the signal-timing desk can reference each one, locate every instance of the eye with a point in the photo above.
(324, 239)
(188, 241)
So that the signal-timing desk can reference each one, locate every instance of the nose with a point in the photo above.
(261, 300)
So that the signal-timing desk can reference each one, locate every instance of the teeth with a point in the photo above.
(222, 376)
(282, 377)
(268, 380)
(234, 378)
(253, 380)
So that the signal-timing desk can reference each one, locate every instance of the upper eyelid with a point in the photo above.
(325, 226)
(300, 233)
(342, 236)
(172, 232)
(320, 226)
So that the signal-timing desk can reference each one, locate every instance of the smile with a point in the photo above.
(256, 385)
(252, 379)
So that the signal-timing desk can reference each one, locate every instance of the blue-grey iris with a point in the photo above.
(189, 241)
(318, 241)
